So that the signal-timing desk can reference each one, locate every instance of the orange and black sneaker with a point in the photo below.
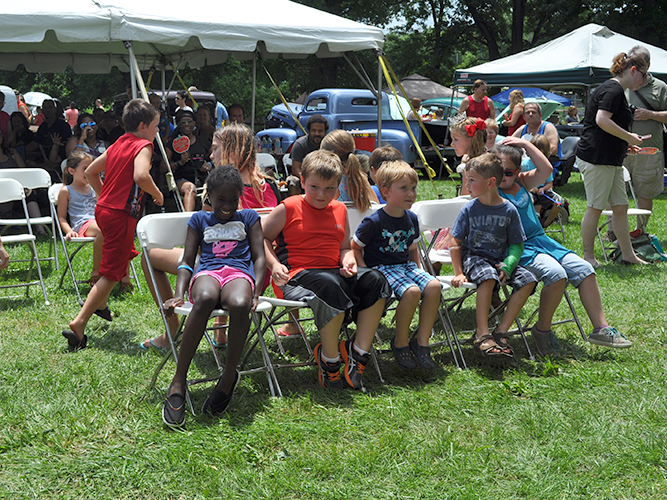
(328, 373)
(355, 363)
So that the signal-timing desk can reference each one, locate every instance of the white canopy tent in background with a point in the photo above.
(582, 58)
(92, 36)
(133, 35)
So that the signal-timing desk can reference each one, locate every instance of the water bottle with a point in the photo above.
(277, 148)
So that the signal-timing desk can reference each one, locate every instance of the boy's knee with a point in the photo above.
(412, 294)
(433, 288)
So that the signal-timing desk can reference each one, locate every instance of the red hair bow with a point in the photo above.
(478, 125)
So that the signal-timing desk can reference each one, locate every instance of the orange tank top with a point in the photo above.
(312, 237)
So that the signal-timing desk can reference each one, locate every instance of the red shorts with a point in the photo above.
(82, 230)
(118, 250)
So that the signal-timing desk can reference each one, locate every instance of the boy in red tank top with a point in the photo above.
(313, 262)
(126, 166)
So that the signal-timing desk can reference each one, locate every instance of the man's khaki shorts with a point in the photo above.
(647, 172)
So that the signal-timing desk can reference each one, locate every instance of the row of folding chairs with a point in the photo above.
(168, 231)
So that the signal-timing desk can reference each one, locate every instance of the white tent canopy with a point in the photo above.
(582, 57)
(89, 36)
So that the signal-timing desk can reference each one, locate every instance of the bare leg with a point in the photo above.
(589, 292)
(620, 223)
(329, 334)
(482, 305)
(550, 297)
(367, 324)
(589, 226)
(34, 212)
(646, 204)
(164, 261)
(237, 296)
(93, 231)
(97, 299)
(428, 312)
(404, 314)
(514, 306)
(206, 295)
(189, 192)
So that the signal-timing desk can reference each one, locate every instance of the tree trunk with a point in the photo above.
(518, 16)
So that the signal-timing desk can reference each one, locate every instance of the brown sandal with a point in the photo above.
(488, 351)
(503, 341)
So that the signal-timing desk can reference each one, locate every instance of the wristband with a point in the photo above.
(185, 266)
(78, 146)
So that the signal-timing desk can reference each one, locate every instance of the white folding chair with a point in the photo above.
(632, 212)
(168, 231)
(435, 215)
(81, 241)
(34, 178)
(12, 190)
(265, 161)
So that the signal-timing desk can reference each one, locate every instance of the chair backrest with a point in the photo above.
(437, 214)
(163, 230)
(30, 178)
(354, 216)
(54, 190)
(10, 190)
(287, 160)
(265, 160)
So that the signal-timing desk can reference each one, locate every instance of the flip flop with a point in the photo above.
(283, 333)
(73, 342)
(104, 313)
(153, 345)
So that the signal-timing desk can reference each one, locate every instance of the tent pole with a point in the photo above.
(133, 76)
(254, 83)
(378, 138)
(134, 66)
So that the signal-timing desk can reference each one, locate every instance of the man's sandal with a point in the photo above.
(489, 350)
(503, 341)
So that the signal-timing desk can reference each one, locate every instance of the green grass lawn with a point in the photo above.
(589, 424)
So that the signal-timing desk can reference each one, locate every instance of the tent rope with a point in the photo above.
(421, 123)
(284, 101)
(430, 172)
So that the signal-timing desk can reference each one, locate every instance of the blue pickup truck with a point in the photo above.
(356, 110)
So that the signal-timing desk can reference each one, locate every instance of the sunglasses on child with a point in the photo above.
(89, 124)
(510, 173)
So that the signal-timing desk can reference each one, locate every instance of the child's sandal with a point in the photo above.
(488, 351)
(502, 339)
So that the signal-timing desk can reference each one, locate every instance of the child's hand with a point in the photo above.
(280, 275)
(159, 200)
(56, 139)
(70, 235)
(185, 157)
(349, 267)
(170, 304)
(458, 280)
(502, 267)
(253, 306)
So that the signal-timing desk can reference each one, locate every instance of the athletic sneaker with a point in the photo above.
(328, 373)
(355, 363)
(173, 412)
(609, 337)
(546, 342)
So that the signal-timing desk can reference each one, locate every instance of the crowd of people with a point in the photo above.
(305, 246)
